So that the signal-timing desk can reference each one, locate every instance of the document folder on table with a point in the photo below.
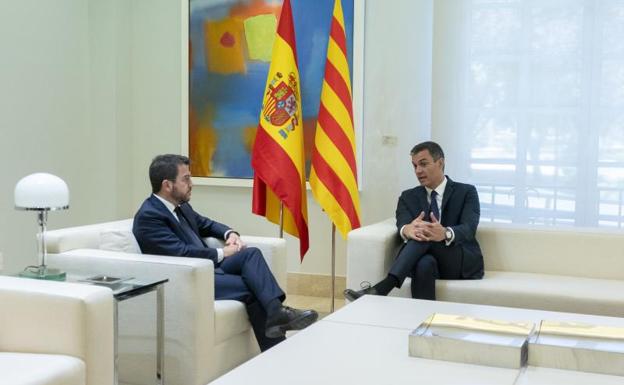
(578, 346)
(471, 340)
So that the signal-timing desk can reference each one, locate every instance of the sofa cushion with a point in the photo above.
(575, 251)
(230, 319)
(41, 369)
(81, 237)
(119, 240)
(533, 291)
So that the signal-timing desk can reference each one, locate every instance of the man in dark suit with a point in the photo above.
(437, 222)
(166, 224)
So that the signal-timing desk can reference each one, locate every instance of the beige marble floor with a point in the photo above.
(320, 304)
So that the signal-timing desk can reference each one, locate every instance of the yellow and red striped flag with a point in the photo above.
(333, 176)
(278, 157)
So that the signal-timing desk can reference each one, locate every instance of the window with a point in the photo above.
(541, 110)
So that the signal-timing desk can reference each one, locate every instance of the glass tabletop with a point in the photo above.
(122, 287)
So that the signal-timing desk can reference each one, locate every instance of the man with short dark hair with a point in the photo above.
(437, 222)
(166, 224)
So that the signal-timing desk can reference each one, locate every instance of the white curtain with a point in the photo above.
(528, 101)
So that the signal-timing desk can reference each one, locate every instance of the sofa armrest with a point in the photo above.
(189, 311)
(370, 252)
(59, 318)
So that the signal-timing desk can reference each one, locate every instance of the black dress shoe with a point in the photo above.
(352, 295)
(288, 318)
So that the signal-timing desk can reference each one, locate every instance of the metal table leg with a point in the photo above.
(160, 334)
(115, 342)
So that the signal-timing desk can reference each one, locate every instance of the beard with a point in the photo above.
(180, 196)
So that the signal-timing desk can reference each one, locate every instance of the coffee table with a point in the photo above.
(366, 342)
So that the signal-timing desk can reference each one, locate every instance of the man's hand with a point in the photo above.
(420, 230)
(229, 250)
(234, 239)
(434, 230)
(419, 219)
(414, 230)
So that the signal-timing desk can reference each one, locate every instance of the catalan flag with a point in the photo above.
(333, 176)
(278, 157)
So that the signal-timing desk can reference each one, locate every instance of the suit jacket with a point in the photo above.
(158, 231)
(460, 210)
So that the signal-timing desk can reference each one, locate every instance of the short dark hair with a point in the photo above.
(165, 167)
(434, 149)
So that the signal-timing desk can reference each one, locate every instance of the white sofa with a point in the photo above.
(55, 333)
(204, 338)
(565, 269)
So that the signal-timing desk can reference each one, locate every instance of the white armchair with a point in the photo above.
(204, 338)
(55, 333)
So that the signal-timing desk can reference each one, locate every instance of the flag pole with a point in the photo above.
(281, 230)
(333, 268)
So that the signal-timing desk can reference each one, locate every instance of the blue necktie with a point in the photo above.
(433, 208)
(188, 230)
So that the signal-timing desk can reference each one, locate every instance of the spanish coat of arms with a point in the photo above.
(280, 102)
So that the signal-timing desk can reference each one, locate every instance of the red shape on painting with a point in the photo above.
(227, 40)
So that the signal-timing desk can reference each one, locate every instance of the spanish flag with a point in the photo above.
(333, 176)
(278, 158)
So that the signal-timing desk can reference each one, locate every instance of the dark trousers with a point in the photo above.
(424, 262)
(246, 277)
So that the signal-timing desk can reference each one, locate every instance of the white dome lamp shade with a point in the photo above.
(42, 192)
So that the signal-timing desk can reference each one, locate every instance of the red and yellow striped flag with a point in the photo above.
(278, 157)
(333, 177)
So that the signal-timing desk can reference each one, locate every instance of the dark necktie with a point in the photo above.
(188, 230)
(433, 208)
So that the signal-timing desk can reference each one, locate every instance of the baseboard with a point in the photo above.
(314, 285)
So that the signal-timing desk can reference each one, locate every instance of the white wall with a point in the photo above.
(102, 91)
(64, 109)
(397, 94)
(156, 87)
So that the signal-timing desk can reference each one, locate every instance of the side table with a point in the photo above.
(124, 289)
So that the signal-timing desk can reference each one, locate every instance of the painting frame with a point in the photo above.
(357, 97)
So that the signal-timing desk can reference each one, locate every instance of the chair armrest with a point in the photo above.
(189, 311)
(274, 251)
(59, 318)
(370, 252)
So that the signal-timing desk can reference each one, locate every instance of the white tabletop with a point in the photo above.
(366, 342)
(407, 313)
(331, 353)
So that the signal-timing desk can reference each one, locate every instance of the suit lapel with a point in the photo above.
(158, 205)
(448, 191)
(421, 196)
(186, 210)
(175, 224)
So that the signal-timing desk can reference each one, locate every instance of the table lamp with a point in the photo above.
(42, 192)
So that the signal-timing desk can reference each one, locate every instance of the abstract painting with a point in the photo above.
(230, 43)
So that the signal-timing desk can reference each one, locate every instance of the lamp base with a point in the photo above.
(43, 272)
